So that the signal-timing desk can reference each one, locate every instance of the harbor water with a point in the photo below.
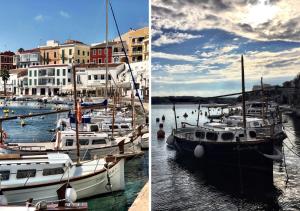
(179, 185)
(41, 129)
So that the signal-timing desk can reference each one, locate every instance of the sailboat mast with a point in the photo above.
(106, 52)
(76, 113)
(243, 96)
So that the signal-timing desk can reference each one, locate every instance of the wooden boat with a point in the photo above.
(40, 176)
(91, 144)
(236, 148)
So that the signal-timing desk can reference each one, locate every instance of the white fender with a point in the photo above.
(170, 140)
(277, 156)
(199, 151)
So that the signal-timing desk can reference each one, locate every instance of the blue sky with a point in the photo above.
(197, 45)
(30, 23)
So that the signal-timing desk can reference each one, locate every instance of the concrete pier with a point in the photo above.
(141, 203)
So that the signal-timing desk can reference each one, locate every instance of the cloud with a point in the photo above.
(169, 56)
(64, 14)
(270, 65)
(172, 38)
(253, 19)
(39, 18)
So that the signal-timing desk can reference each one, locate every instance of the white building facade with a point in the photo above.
(48, 80)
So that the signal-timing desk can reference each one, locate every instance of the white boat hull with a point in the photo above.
(85, 187)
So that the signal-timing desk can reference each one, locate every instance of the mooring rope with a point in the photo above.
(284, 162)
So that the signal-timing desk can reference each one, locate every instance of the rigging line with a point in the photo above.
(127, 60)
(293, 133)
(295, 153)
(293, 145)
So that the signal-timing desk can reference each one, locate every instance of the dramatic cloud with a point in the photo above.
(198, 44)
(173, 56)
(64, 14)
(254, 19)
(169, 38)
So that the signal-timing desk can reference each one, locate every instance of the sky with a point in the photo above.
(31, 23)
(197, 45)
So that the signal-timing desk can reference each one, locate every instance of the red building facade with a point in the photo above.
(6, 60)
(98, 55)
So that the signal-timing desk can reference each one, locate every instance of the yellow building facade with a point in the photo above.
(76, 51)
(137, 43)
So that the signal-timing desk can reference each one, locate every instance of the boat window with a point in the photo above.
(256, 124)
(99, 141)
(94, 128)
(256, 105)
(115, 127)
(4, 175)
(26, 173)
(54, 171)
(124, 126)
(212, 136)
(200, 134)
(69, 142)
(227, 136)
(252, 134)
(83, 141)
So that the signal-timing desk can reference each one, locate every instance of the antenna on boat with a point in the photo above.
(198, 114)
(263, 99)
(113, 117)
(106, 52)
(132, 109)
(243, 95)
(174, 109)
(76, 107)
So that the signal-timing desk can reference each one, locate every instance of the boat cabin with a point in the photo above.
(66, 140)
(34, 169)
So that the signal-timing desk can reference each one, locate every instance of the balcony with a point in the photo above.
(137, 52)
(47, 73)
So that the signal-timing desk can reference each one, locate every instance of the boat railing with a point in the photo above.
(30, 148)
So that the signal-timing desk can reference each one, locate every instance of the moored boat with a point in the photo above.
(40, 176)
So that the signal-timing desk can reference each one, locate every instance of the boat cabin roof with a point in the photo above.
(248, 119)
(52, 158)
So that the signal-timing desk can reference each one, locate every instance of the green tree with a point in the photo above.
(4, 74)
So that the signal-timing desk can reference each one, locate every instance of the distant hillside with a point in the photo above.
(191, 100)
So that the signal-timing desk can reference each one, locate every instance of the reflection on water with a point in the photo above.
(177, 184)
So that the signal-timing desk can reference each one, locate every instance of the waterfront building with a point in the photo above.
(118, 54)
(74, 51)
(48, 80)
(50, 53)
(137, 47)
(27, 58)
(98, 53)
(6, 60)
(140, 71)
(146, 48)
(91, 78)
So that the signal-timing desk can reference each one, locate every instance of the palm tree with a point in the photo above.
(4, 74)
